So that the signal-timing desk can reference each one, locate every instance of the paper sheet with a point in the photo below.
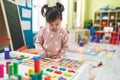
(26, 13)
(21, 2)
(25, 25)
(29, 3)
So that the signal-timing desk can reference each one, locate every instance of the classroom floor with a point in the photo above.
(93, 53)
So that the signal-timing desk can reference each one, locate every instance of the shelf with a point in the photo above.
(106, 18)
(97, 25)
(118, 18)
(97, 19)
(112, 19)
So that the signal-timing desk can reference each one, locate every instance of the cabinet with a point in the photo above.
(107, 18)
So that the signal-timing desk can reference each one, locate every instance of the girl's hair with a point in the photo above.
(52, 13)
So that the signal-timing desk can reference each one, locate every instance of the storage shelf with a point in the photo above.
(106, 18)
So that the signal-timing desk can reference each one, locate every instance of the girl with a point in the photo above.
(52, 39)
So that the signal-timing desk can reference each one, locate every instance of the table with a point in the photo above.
(98, 33)
(82, 72)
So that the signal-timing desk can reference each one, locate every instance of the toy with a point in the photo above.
(92, 33)
(104, 23)
(93, 50)
(1, 70)
(47, 77)
(81, 43)
(40, 75)
(10, 70)
(37, 74)
(7, 63)
(54, 71)
(13, 70)
(105, 8)
(97, 38)
(43, 63)
(15, 67)
(19, 76)
(58, 74)
(6, 50)
(69, 63)
(36, 63)
(30, 70)
(34, 76)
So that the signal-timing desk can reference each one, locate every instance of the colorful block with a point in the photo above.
(1, 70)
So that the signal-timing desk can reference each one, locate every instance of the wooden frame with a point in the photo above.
(6, 31)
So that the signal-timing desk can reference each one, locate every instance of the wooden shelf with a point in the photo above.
(118, 18)
(106, 18)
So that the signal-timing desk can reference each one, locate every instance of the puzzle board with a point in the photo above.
(75, 64)
(43, 63)
(94, 50)
(59, 73)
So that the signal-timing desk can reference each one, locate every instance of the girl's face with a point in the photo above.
(55, 26)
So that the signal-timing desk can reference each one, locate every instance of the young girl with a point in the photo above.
(52, 39)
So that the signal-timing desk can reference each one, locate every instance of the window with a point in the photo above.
(37, 19)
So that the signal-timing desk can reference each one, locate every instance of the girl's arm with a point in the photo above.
(38, 44)
(64, 44)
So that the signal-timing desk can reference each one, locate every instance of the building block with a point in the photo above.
(36, 63)
(18, 76)
(7, 63)
(40, 74)
(30, 70)
(62, 78)
(6, 52)
(15, 67)
(10, 70)
(1, 70)
(47, 77)
(34, 76)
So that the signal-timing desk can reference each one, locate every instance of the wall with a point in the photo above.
(83, 11)
(28, 34)
(94, 5)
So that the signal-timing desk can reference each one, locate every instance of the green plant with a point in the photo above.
(88, 24)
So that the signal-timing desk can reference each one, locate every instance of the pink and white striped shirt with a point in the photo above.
(52, 43)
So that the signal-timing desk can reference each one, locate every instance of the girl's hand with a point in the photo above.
(43, 54)
(55, 56)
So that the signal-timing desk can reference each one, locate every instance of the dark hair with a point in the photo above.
(52, 13)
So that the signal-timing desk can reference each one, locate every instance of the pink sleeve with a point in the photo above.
(64, 44)
(39, 41)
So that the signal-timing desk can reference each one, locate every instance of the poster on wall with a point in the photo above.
(25, 25)
(21, 2)
(29, 3)
(26, 13)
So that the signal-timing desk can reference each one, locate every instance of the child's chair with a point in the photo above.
(107, 34)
